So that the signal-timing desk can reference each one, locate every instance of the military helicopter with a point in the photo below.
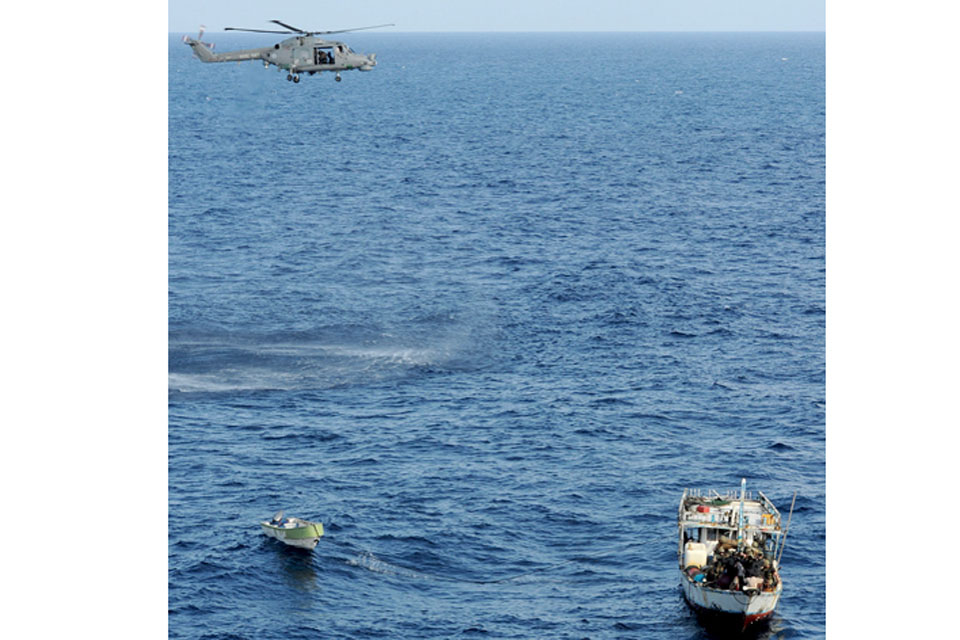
(303, 52)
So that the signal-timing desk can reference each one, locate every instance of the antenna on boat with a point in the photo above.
(743, 489)
(783, 541)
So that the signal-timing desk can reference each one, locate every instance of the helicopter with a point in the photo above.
(303, 52)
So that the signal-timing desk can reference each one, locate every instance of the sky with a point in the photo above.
(506, 15)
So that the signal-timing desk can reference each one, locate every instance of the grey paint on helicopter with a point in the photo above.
(301, 53)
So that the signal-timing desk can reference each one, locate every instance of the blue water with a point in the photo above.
(485, 312)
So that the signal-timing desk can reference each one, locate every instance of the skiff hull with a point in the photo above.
(302, 537)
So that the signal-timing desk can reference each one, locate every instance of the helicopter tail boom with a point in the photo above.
(202, 50)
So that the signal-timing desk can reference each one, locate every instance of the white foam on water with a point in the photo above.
(243, 365)
(398, 355)
(370, 562)
(234, 380)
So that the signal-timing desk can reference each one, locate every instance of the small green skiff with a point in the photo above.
(295, 532)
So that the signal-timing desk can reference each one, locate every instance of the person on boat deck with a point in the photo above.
(740, 574)
(724, 580)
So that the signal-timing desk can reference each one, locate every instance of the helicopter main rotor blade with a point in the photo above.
(286, 33)
(294, 29)
(376, 26)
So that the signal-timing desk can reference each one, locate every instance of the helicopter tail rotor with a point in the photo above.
(199, 39)
(208, 45)
(200, 48)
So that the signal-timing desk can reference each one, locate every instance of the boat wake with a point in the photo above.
(232, 363)
(367, 560)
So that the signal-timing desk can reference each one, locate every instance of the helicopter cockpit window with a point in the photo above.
(323, 55)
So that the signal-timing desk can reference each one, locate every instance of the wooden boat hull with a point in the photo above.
(304, 537)
(737, 608)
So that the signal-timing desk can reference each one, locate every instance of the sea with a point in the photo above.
(485, 312)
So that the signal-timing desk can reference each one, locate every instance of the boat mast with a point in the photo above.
(783, 541)
(683, 501)
(743, 488)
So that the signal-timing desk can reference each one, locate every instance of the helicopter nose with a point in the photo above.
(369, 62)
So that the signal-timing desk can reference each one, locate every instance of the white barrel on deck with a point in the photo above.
(694, 555)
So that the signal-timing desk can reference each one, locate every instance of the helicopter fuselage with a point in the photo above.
(299, 54)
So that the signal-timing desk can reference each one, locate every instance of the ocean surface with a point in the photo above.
(485, 312)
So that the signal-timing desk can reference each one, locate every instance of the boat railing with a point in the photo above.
(768, 504)
(732, 495)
